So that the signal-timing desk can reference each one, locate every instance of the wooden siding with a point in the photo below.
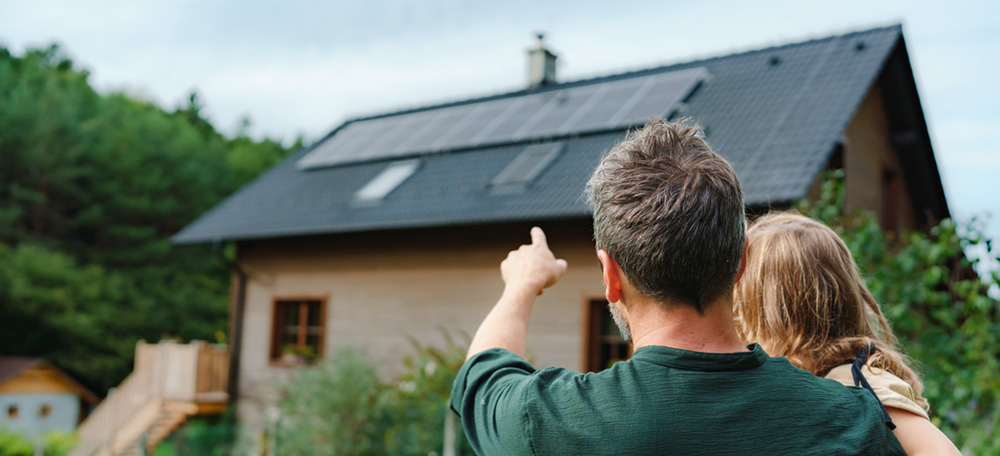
(868, 154)
(382, 290)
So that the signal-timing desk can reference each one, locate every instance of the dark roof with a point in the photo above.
(776, 114)
(11, 366)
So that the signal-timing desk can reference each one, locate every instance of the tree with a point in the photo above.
(93, 186)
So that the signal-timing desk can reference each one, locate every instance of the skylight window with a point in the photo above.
(385, 182)
(525, 168)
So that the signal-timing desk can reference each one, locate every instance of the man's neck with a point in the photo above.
(681, 326)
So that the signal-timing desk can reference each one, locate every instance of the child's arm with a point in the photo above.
(918, 435)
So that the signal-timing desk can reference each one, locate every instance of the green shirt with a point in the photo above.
(665, 401)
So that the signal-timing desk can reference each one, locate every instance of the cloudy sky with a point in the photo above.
(300, 68)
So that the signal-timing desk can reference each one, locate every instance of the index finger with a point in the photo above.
(538, 237)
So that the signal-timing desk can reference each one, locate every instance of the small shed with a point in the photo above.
(37, 398)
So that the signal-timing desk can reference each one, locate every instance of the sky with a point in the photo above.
(302, 67)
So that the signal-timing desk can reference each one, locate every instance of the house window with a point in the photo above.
(298, 330)
(45, 411)
(12, 412)
(605, 344)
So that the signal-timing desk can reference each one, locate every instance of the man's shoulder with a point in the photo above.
(780, 371)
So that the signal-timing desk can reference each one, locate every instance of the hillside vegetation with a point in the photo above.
(91, 187)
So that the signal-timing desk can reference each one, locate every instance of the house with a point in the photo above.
(37, 398)
(392, 226)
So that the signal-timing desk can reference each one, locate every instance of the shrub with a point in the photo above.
(54, 444)
(340, 407)
(214, 436)
(59, 443)
(939, 308)
(332, 408)
(418, 401)
(12, 444)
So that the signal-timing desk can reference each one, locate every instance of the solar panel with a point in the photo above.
(441, 124)
(604, 106)
(516, 117)
(403, 133)
(358, 134)
(664, 94)
(633, 99)
(572, 110)
(393, 128)
(348, 139)
(467, 128)
(560, 108)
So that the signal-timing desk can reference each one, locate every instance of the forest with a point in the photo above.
(92, 186)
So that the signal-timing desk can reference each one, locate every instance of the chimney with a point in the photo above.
(541, 65)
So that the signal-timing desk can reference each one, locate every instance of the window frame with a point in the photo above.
(592, 337)
(274, 351)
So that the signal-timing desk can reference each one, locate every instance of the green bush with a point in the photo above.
(940, 310)
(210, 436)
(418, 401)
(59, 443)
(55, 444)
(341, 407)
(12, 444)
(333, 408)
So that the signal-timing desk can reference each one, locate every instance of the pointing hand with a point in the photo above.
(532, 266)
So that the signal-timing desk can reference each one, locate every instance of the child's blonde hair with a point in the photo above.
(801, 297)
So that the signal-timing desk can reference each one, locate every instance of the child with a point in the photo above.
(801, 297)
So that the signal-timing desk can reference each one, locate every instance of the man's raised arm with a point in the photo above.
(526, 272)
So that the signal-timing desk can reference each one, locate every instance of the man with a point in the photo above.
(670, 232)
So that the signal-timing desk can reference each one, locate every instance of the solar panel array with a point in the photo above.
(573, 110)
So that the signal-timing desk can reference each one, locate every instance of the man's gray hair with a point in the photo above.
(670, 212)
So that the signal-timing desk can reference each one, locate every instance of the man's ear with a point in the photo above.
(743, 259)
(612, 277)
